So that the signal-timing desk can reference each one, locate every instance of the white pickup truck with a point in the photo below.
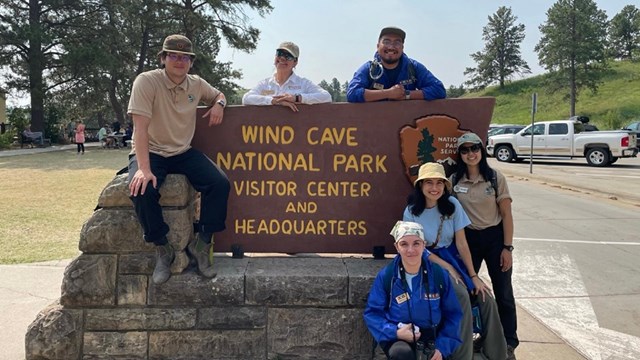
(565, 139)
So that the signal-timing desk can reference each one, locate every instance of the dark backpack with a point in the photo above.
(494, 182)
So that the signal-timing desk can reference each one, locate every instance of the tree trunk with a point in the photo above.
(36, 59)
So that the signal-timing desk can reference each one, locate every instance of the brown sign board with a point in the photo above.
(331, 178)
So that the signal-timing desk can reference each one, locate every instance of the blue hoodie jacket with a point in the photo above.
(445, 311)
(431, 87)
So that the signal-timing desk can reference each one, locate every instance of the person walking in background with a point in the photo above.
(412, 300)
(163, 106)
(80, 136)
(392, 75)
(285, 88)
(484, 195)
(444, 221)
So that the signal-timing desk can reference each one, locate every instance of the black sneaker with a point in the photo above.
(164, 258)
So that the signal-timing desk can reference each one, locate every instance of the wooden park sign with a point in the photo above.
(331, 178)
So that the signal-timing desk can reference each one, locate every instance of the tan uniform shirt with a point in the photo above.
(171, 108)
(479, 200)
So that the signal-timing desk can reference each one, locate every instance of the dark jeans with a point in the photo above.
(80, 147)
(487, 245)
(203, 174)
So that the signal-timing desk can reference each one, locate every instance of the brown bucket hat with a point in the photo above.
(177, 44)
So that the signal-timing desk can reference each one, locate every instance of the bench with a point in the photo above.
(31, 142)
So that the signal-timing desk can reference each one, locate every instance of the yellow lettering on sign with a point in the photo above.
(364, 163)
(264, 188)
(308, 207)
(332, 136)
(250, 161)
(267, 134)
(338, 188)
(301, 227)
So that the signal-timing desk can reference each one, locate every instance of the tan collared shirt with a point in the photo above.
(479, 200)
(171, 108)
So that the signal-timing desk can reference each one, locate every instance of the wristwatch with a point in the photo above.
(407, 95)
(508, 247)
(222, 103)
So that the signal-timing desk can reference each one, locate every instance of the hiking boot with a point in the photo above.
(200, 251)
(511, 353)
(164, 257)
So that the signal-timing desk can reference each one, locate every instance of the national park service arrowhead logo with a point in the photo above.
(432, 139)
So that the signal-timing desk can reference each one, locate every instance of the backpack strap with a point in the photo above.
(494, 182)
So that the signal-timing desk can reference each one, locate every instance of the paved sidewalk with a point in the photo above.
(39, 150)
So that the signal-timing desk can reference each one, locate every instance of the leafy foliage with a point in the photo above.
(455, 92)
(624, 33)
(83, 56)
(500, 59)
(573, 47)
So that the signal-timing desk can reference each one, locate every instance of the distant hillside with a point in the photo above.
(616, 103)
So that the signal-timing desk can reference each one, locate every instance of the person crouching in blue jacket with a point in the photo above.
(412, 301)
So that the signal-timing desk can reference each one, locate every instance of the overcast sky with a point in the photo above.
(337, 36)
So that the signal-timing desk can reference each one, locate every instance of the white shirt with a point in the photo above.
(266, 89)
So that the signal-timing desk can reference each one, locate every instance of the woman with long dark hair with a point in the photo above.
(484, 195)
(444, 222)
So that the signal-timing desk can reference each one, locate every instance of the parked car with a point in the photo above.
(564, 138)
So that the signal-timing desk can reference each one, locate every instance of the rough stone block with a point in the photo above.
(118, 230)
(176, 191)
(225, 318)
(56, 333)
(317, 334)
(362, 272)
(207, 344)
(89, 280)
(140, 319)
(189, 288)
(143, 263)
(132, 290)
(298, 281)
(115, 345)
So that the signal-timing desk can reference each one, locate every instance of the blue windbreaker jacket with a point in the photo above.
(446, 311)
(431, 87)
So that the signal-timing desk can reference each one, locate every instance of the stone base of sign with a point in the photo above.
(256, 308)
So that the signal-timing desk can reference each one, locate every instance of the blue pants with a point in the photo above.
(486, 245)
(203, 174)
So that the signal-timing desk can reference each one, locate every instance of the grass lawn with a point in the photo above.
(45, 198)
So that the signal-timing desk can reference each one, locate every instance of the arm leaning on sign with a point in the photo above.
(143, 175)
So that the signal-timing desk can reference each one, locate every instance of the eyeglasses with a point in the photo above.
(285, 54)
(392, 43)
(176, 57)
(464, 150)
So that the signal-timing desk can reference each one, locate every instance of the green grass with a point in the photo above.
(45, 198)
(616, 103)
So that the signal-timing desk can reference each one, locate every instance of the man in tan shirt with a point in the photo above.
(163, 106)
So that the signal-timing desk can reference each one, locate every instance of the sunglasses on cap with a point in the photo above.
(285, 54)
(176, 57)
(473, 148)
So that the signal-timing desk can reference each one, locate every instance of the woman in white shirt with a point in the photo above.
(286, 88)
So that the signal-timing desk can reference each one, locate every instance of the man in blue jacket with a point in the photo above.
(417, 304)
(392, 75)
